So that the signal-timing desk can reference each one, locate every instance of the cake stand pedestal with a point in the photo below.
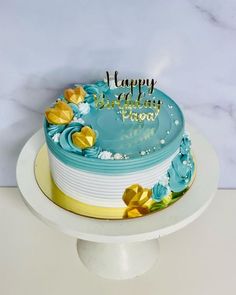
(121, 249)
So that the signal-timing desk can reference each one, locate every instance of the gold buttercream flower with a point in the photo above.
(86, 138)
(137, 200)
(76, 95)
(60, 114)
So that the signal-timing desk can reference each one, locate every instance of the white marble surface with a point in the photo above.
(188, 46)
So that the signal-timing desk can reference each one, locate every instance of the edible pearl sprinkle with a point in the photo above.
(176, 122)
(162, 141)
(168, 132)
(142, 153)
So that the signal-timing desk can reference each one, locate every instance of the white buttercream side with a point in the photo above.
(102, 190)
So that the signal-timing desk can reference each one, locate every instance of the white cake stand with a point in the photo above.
(121, 249)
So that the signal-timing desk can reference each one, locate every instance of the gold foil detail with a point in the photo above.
(136, 198)
(76, 95)
(60, 114)
(85, 138)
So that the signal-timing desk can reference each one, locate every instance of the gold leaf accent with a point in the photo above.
(60, 114)
(76, 95)
(136, 198)
(85, 138)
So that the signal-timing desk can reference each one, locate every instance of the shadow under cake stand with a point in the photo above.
(121, 249)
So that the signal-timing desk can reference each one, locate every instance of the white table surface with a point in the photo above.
(36, 259)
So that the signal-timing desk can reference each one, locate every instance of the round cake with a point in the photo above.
(119, 145)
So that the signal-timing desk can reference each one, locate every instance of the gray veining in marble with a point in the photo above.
(188, 46)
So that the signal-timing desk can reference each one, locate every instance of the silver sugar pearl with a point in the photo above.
(162, 141)
(176, 122)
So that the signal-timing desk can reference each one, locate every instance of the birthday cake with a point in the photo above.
(119, 145)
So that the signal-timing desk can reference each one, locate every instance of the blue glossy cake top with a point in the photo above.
(133, 138)
(139, 130)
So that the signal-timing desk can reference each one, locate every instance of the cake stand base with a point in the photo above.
(118, 261)
(121, 249)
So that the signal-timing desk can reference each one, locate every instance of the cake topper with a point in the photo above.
(127, 102)
(132, 83)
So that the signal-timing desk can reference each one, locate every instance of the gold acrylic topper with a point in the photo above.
(127, 104)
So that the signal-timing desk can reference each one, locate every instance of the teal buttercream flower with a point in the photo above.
(181, 171)
(185, 145)
(159, 192)
(75, 109)
(80, 109)
(92, 152)
(66, 138)
(53, 129)
(96, 88)
(92, 89)
(102, 86)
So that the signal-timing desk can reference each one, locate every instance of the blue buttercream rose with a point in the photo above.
(53, 129)
(185, 145)
(159, 192)
(92, 89)
(102, 86)
(92, 152)
(181, 171)
(75, 109)
(66, 138)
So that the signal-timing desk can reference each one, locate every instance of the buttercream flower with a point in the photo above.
(85, 138)
(92, 152)
(76, 95)
(159, 192)
(180, 173)
(105, 155)
(60, 114)
(66, 138)
(54, 129)
(102, 86)
(84, 108)
(136, 198)
(92, 89)
(185, 145)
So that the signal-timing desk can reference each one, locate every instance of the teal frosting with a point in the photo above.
(181, 171)
(103, 87)
(158, 139)
(185, 145)
(159, 191)
(92, 152)
(90, 99)
(92, 89)
(75, 109)
(66, 138)
(97, 88)
(53, 129)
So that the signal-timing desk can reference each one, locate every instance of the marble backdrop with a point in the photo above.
(189, 46)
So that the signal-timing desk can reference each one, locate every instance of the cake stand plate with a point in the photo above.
(121, 249)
